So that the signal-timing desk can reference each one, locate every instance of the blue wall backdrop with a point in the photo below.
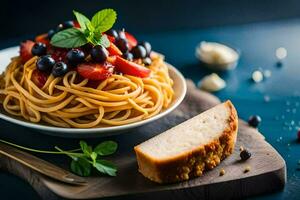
(20, 18)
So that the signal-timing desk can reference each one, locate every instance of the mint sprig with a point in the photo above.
(83, 162)
(90, 31)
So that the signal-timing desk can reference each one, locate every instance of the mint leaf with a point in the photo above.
(94, 157)
(104, 20)
(106, 148)
(106, 167)
(69, 38)
(90, 27)
(81, 167)
(87, 150)
(104, 41)
(82, 20)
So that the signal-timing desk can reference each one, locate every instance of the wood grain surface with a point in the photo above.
(267, 168)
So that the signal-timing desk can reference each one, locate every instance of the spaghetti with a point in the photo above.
(69, 101)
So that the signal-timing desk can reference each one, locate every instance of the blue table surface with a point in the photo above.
(257, 44)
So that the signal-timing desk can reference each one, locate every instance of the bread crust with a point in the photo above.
(194, 163)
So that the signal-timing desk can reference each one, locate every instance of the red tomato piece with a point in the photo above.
(111, 38)
(95, 71)
(114, 50)
(25, 50)
(43, 38)
(39, 78)
(131, 68)
(58, 54)
(76, 24)
(131, 40)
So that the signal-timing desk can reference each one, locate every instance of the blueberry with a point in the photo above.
(75, 56)
(68, 24)
(60, 27)
(65, 25)
(113, 33)
(45, 63)
(147, 61)
(39, 49)
(139, 52)
(254, 121)
(59, 69)
(245, 154)
(51, 33)
(147, 46)
(122, 44)
(99, 53)
(128, 56)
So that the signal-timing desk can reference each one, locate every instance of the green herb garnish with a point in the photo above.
(84, 158)
(90, 31)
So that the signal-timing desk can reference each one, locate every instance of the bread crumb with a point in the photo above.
(222, 172)
(247, 169)
(241, 148)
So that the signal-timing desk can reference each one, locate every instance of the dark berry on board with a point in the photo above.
(245, 154)
(139, 51)
(75, 56)
(298, 135)
(254, 121)
(128, 56)
(147, 46)
(59, 69)
(99, 53)
(147, 61)
(113, 33)
(122, 44)
(45, 63)
(51, 33)
(39, 49)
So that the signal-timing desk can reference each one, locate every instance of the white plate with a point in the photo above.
(179, 88)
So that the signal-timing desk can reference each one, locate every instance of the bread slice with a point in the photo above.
(191, 147)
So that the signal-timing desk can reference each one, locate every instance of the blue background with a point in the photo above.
(174, 28)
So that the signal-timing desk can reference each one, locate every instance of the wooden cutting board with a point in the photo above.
(268, 169)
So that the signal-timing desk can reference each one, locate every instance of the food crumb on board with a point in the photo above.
(241, 148)
(247, 169)
(222, 172)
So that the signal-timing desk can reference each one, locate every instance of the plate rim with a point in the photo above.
(101, 131)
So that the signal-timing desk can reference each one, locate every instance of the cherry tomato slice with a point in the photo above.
(131, 68)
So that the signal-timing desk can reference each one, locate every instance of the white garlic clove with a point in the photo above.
(212, 83)
(257, 76)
